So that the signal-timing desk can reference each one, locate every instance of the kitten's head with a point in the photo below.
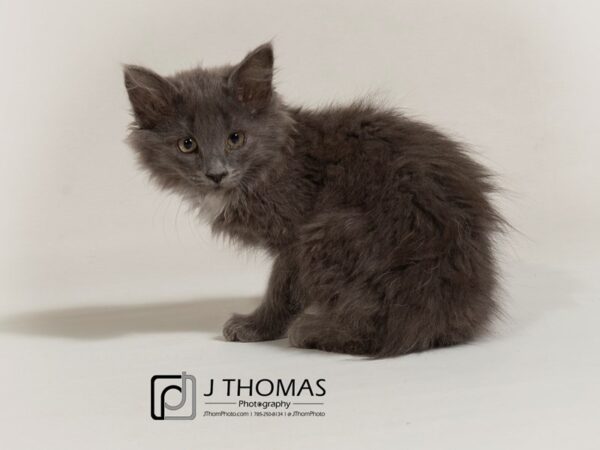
(207, 130)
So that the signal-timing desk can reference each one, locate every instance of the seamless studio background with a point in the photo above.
(105, 281)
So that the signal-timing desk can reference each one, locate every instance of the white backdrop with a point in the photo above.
(106, 277)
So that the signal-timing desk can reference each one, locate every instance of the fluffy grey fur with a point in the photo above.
(381, 227)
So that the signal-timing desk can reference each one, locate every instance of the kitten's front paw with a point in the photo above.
(242, 329)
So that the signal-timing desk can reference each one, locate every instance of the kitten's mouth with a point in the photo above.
(210, 186)
(218, 187)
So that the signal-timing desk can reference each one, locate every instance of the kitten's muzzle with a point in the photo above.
(217, 177)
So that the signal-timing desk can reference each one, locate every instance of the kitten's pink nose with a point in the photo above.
(216, 177)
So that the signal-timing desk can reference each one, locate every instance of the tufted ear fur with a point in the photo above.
(151, 95)
(251, 81)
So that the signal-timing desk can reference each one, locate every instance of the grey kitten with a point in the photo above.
(381, 227)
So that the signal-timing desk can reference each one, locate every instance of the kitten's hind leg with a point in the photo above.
(349, 322)
(271, 319)
(343, 314)
(331, 332)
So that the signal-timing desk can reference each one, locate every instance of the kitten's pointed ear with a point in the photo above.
(251, 81)
(151, 95)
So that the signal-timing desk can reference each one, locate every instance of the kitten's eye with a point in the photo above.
(187, 145)
(236, 140)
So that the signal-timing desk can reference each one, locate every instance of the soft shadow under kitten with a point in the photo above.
(380, 227)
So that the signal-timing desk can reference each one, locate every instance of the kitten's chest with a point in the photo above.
(252, 219)
(212, 206)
